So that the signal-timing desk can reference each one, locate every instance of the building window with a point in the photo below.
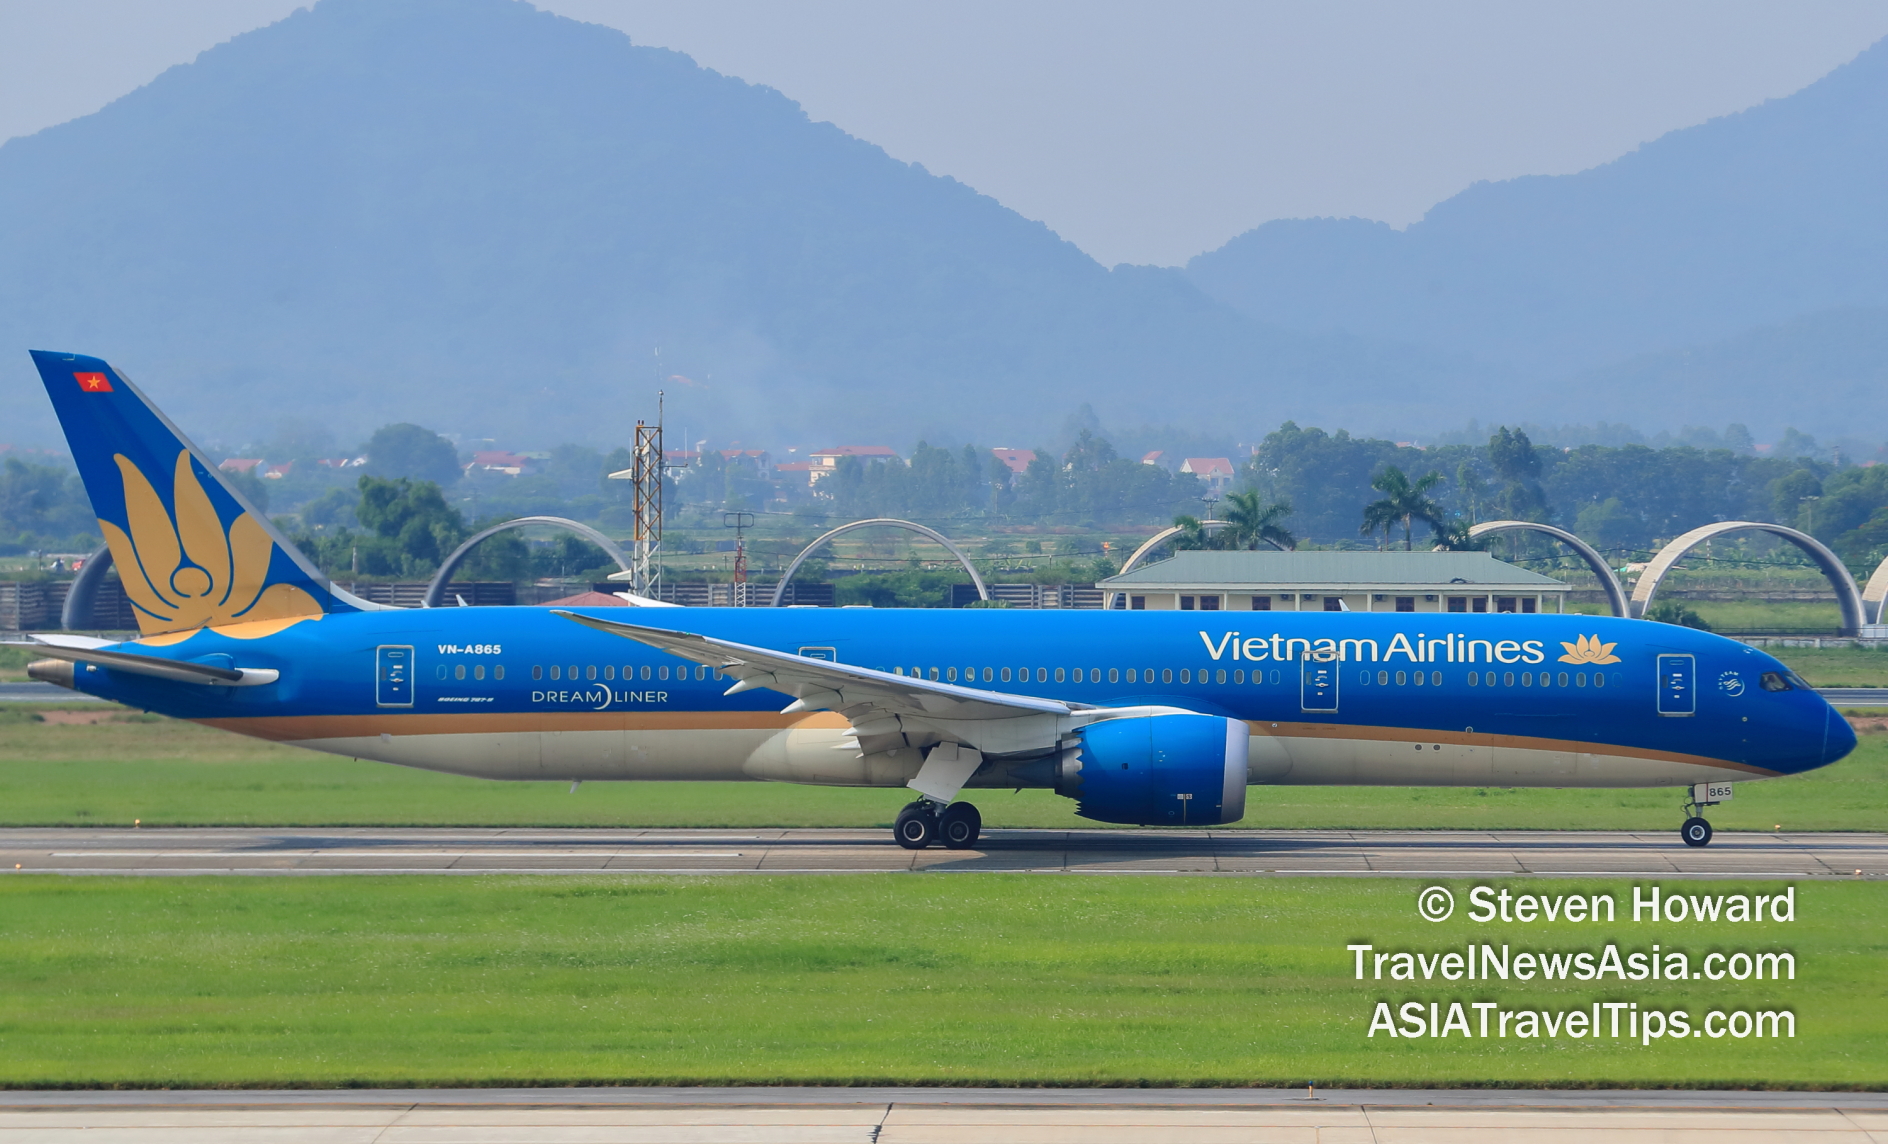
(1261, 603)
(1478, 604)
(1458, 603)
(1529, 604)
(1137, 603)
(1186, 603)
(1334, 603)
(1505, 603)
(1406, 603)
(1209, 603)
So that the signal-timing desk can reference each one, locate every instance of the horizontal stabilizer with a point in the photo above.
(179, 671)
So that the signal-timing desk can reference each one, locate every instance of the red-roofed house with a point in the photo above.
(277, 472)
(825, 461)
(1217, 472)
(240, 464)
(1017, 459)
(498, 461)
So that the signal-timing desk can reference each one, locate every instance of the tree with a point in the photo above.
(405, 450)
(1250, 522)
(1515, 462)
(1403, 501)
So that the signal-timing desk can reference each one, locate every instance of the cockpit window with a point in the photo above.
(1775, 681)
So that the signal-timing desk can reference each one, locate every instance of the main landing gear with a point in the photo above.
(922, 823)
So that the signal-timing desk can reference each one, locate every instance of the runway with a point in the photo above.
(1262, 853)
(940, 1116)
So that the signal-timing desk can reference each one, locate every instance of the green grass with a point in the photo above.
(885, 979)
(164, 772)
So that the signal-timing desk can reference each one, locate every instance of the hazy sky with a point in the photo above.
(1143, 132)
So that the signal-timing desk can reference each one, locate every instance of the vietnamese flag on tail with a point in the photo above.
(93, 382)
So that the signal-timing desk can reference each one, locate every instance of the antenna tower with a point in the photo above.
(646, 478)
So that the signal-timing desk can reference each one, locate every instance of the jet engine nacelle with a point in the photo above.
(1159, 770)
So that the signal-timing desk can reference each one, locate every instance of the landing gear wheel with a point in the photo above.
(916, 827)
(959, 826)
(1695, 832)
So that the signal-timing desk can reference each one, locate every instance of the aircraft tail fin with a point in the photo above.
(191, 551)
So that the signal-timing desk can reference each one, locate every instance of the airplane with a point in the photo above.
(1144, 718)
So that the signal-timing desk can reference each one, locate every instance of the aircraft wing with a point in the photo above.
(821, 684)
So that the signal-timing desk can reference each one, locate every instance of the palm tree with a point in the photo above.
(1402, 501)
(1251, 522)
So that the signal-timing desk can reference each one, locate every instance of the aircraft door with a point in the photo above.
(1317, 684)
(1678, 693)
(393, 675)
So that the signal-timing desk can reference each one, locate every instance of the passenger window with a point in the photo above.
(1114, 675)
(1133, 676)
(1383, 679)
(1166, 675)
(1599, 679)
(498, 671)
(478, 672)
(609, 671)
(440, 671)
(458, 672)
(1238, 676)
(1094, 675)
(1562, 681)
(1061, 675)
(1005, 675)
(1435, 679)
(1507, 679)
(590, 672)
(537, 671)
(988, 675)
(1402, 677)
(1580, 680)
(662, 672)
(701, 672)
(557, 671)
(934, 675)
(1219, 676)
(645, 671)
(1419, 678)
(1527, 679)
(1474, 677)
(1042, 675)
(950, 675)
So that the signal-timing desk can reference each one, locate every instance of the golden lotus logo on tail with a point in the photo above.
(186, 571)
(1589, 649)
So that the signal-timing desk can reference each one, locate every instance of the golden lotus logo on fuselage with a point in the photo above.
(184, 571)
(1589, 649)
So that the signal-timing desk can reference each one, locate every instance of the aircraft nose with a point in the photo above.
(1838, 737)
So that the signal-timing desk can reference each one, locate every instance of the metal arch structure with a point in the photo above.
(1153, 542)
(780, 589)
(1848, 596)
(1609, 583)
(76, 613)
(436, 590)
(1875, 593)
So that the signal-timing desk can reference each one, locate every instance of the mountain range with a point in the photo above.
(505, 224)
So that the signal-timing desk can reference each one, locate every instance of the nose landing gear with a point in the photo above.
(1696, 831)
(921, 823)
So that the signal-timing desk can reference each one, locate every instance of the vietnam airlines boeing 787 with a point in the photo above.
(1162, 718)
